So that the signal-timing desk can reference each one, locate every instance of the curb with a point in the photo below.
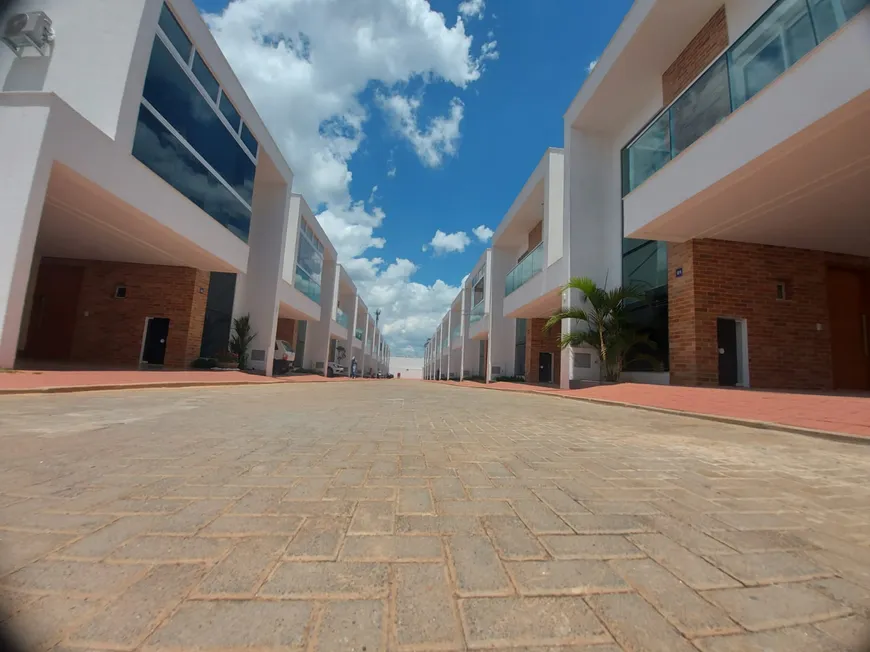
(737, 421)
(72, 389)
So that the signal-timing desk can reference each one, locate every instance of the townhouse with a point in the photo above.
(716, 158)
(144, 203)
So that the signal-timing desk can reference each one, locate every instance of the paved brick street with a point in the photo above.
(412, 516)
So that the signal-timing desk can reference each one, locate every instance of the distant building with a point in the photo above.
(409, 367)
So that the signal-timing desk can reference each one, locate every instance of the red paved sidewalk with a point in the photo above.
(821, 412)
(52, 381)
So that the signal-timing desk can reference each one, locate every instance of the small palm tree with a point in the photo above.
(241, 338)
(607, 328)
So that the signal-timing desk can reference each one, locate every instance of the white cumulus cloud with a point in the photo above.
(439, 139)
(472, 8)
(444, 243)
(305, 65)
(483, 233)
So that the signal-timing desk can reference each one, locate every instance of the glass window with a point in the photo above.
(702, 107)
(171, 92)
(230, 112)
(204, 76)
(645, 266)
(160, 150)
(249, 140)
(771, 46)
(171, 27)
(650, 152)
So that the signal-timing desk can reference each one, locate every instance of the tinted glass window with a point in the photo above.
(173, 30)
(173, 95)
(249, 140)
(230, 112)
(203, 74)
(310, 259)
(157, 148)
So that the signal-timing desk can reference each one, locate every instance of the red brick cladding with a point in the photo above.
(701, 51)
(287, 331)
(738, 280)
(111, 333)
(539, 341)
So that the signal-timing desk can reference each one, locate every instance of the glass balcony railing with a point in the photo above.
(532, 264)
(477, 312)
(358, 333)
(779, 39)
(456, 333)
(306, 285)
(340, 318)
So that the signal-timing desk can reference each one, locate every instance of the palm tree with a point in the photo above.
(607, 328)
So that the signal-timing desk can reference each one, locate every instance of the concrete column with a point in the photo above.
(352, 315)
(25, 168)
(270, 211)
(502, 330)
(317, 342)
(365, 347)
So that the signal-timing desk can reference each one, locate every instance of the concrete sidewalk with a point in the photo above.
(825, 413)
(31, 382)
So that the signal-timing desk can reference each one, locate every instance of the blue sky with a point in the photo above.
(494, 118)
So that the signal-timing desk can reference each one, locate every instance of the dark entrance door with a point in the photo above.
(154, 351)
(726, 330)
(850, 357)
(545, 368)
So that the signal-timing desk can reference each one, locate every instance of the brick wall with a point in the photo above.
(111, 333)
(540, 341)
(701, 51)
(739, 280)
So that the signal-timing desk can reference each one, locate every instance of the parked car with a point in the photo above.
(284, 357)
(334, 369)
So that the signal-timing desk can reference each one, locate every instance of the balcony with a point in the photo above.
(528, 267)
(340, 318)
(787, 32)
(477, 312)
(358, 334)
(306, 285)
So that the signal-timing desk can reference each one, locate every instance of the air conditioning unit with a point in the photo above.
(32, 29)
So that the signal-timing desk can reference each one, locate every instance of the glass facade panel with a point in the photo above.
(528, 267)
(702, 107)
(477, 312)
(230, 113)
(645, 267)
(769, 48)
(340, 318)
(174, 32)
(358, 333)
(155, 146)
(309, 264)
(249, 140)
(649, 153)
(204, 76)
(170, 91)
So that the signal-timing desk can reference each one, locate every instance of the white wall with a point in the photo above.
(554, 207)
(502, 334)
(96, 36)
(741, 14)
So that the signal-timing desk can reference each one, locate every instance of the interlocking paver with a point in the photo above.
(477, 566)
(513, 539)
(425, 611)
(221, 624)
(565, 577)
(766, 607)
(502, 622)
(327, 580)
(449, 519)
